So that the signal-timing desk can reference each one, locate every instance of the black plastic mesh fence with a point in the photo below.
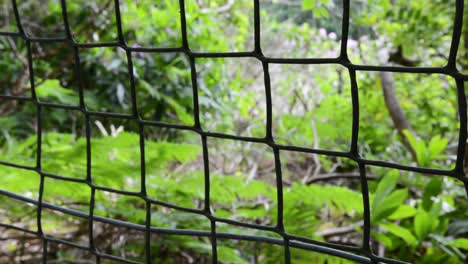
(362, 254)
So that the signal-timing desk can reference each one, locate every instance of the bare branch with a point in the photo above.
(336, 176)
(400, 121)
(339, 231)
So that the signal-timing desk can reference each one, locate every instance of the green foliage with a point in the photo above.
(414, 217)
(416, 226)
(383, 203)
(52, 90)
(316, 7)
(426, 154)
(461, 243)
(398, 231)
(411, 26)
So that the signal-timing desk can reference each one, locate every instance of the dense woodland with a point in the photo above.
(410, 119)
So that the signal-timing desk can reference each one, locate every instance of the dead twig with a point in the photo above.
(339, 231)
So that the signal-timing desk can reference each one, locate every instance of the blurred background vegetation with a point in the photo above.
(409, 119)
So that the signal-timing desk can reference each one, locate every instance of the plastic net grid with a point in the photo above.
(362, 254)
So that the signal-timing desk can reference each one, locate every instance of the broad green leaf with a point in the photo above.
(384, 188)
(403, 211)
(422, 224)
(308, 4)
(436, 209)
(460, 243)
(389, 205)
(400, 232)
(419, 147)
(433, 188)
(320, 12)
(436, 146)
(383, 238)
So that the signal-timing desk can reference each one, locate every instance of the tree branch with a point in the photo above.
(397, 114)
(339, 231)
(336, 176)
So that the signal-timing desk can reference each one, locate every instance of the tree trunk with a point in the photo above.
(397, 114)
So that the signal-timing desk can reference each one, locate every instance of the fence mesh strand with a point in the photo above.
(287, 241)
